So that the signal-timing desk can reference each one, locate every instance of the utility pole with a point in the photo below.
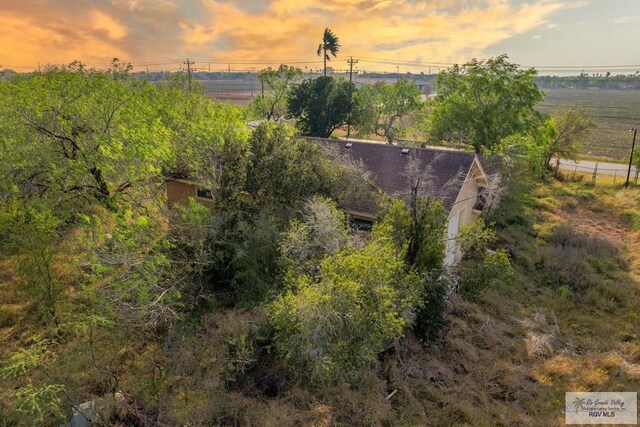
(189, 64)
(351, 62)
(251, 78)
(633, 146)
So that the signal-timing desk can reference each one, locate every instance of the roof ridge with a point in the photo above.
(382, 144)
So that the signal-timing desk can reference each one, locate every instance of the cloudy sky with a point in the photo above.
(383, 34)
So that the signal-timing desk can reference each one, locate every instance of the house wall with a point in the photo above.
(463, 207)
(179, 191)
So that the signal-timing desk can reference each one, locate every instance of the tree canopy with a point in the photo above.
(482, 102)
(321, 105)
(384, 108)
(564, 132)
(272, 104)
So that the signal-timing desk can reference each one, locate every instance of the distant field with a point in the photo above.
(235, 91)
(613, 111)
(229, 85)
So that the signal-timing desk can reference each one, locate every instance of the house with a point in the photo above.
(179, 189)
(452, 176)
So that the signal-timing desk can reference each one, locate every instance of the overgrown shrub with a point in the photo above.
(419, 228)
(576, 260)
(31, 232)
(477, 276)
(254, 261)
(474, 238)
(321, 231)
(431, 317)
(330, 326)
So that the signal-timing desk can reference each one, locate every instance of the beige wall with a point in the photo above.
(463, 206)
(179, 191)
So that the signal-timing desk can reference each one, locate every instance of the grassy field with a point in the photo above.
(613, 111)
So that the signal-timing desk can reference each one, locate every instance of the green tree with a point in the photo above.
(77, 140)
(264, 183)
(516, 165)
(419, 228)
(321, 105)
(330, 45)
(482, 102)
(383, 108)
(198, 129)
(80, 134)
(273, 104)
(564, 133)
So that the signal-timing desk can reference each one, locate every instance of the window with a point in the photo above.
(481, 199)
(361, 224)
(204, 193)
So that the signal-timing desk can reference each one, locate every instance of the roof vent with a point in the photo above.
(348, 145)
(404, 151)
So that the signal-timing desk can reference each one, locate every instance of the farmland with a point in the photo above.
(613, 111)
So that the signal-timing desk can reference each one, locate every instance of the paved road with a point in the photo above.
(604, 168)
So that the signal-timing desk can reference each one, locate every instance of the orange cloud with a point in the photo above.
(102, 21)
(261, 31)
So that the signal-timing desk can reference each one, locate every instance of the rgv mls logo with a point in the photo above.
(601, 408)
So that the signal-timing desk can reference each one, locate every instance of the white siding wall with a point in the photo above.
(462, 211)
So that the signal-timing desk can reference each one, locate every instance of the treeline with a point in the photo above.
(602, 81)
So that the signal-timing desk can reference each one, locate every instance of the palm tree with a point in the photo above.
(579, 404)
(329, 44)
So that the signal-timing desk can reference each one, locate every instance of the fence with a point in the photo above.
(618, 173)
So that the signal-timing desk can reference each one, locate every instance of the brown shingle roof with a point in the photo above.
(443, 171)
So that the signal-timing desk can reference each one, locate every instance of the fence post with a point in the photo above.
(595, 173)
(615, 174)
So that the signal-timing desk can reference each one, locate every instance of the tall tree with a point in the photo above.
(482, 102)
(321, 105)
(74, 133)
(330, 45)
(383, 108)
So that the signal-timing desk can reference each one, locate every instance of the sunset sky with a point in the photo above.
(383, 34)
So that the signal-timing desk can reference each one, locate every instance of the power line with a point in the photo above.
(366, 59)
